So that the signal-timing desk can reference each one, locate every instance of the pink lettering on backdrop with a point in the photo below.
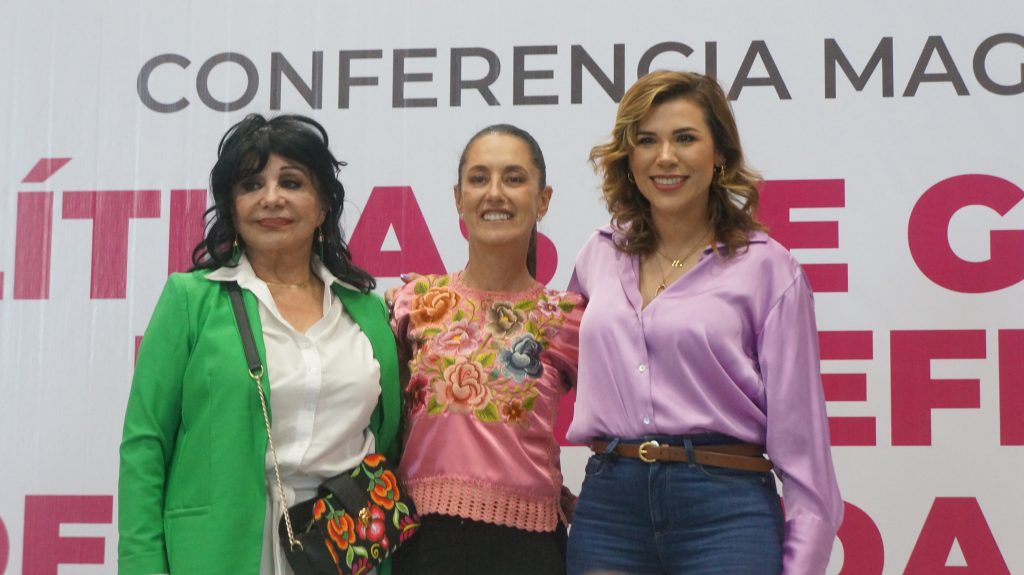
(1011, 387)
(863, 549)
(5, 547)
(110, 212)
(394, 207)
(846, 345)
(33, 236)
(43, 169)
(928, 234)
(915, 394)
(956, 519)
(778, 197)
(34, 230)
(44, 549)
(187, 208)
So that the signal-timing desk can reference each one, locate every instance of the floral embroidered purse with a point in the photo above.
(358, 518)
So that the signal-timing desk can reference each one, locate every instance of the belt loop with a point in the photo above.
(610, 448)
(691, 457)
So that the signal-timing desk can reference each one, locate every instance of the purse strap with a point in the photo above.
(252, 359)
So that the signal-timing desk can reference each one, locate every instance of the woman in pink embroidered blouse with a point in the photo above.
(490, 352)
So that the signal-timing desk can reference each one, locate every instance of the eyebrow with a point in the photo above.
(297, 167)
(486, 168)
(676, 131)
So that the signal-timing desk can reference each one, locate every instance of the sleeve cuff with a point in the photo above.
(807, 545)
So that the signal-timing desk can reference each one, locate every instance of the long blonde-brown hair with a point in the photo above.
(733, 197)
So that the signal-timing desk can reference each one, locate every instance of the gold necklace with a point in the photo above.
(675, 263)
(302, 285)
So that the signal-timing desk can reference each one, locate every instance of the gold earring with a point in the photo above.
(720, 170)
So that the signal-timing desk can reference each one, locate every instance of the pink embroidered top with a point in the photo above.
(487, 370)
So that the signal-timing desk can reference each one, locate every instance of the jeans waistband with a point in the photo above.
(696, 439)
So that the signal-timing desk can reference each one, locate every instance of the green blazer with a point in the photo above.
(191, 489)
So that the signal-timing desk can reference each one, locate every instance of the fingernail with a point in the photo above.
(404, 276)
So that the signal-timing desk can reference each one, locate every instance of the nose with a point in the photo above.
(667, 154)
(272, 195)
(494, 189)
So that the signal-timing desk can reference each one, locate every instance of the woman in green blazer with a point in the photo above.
(196, 493)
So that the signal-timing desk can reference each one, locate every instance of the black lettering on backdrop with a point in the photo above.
(643, 67)
(520, 75)
(935, 45)
(759, 50)
(165, 84)
(834, 56)
(580, 59)
(252, 82)
(345, 78)
(482, 85)
(400, 78)
(142, 84)
(312, 93)
(981, 71)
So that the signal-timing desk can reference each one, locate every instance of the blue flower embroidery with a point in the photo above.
(523, 359)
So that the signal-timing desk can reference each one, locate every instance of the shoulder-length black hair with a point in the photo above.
(244, 151)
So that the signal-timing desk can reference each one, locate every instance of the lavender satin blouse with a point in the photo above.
(731, 347)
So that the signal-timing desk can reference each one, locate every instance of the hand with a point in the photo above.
(568, 503)
(389, 294)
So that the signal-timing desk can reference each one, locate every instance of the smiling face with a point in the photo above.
(674, 160)
(499, 195)
(278, 209)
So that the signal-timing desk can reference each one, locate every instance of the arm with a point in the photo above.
(564, 351)
(151, 426)
(400, 303)
(797, 430)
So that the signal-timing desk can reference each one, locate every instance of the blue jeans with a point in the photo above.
(675, 518)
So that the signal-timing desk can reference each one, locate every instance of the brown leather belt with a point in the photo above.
(744, 456)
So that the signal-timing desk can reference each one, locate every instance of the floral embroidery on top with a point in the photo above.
(480, 357)
(433, 304)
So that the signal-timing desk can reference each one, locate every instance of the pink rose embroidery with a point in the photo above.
(460, 339)
(463, 388)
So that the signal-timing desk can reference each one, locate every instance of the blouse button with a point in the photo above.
(642, 368)
(647, 420)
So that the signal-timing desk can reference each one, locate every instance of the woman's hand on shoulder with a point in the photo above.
(391, 292)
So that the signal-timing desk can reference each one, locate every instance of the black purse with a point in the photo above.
(358, 518)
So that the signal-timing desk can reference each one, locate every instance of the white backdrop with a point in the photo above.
(889, 133)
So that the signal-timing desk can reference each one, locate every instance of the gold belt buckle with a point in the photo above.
(642, 451)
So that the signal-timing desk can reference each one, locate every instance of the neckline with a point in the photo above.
(456, 280)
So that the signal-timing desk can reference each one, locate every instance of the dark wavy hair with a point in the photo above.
(733, 198)
(243, 152)
(536, 156)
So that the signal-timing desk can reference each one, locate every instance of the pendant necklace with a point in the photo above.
(675, 263)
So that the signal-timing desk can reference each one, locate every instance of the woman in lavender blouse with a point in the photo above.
(698, 358)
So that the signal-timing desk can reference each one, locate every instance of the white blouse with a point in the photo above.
(324, 386)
